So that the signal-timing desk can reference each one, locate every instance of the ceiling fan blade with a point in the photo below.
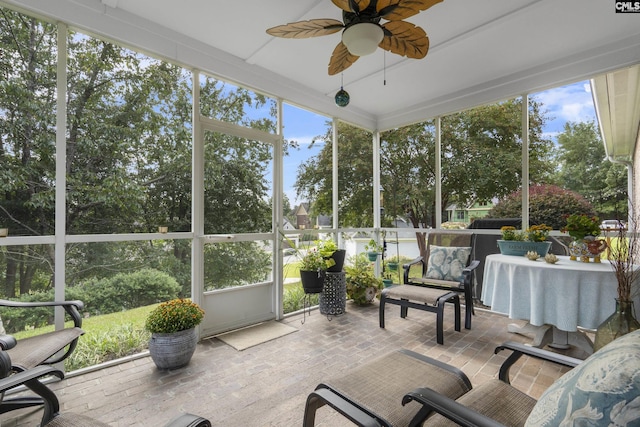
(395, 10)
(341, 59)
(358, 5)
(306, 29)
(404, 38)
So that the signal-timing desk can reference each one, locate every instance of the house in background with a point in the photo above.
(302, 216)
(469, 214)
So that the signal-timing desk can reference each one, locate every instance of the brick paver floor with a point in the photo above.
(267, 385)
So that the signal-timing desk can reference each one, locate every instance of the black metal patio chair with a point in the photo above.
(32, 379)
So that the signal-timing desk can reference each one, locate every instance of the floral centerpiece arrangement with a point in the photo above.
(174, 316)
(509, 232)
(538, 233)
(580, 226)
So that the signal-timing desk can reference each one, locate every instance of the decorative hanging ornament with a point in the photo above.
(342, 96)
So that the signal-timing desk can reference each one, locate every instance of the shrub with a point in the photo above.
(125, 291)
(548, 204)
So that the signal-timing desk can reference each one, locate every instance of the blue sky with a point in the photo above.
(563, 104)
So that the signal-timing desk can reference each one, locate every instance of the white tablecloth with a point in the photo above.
(566, 294)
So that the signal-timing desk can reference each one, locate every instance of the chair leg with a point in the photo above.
(383, 301)
(468, 309)
(456, 307)
(439, 321)
(404, 309)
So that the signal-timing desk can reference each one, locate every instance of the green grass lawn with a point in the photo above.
(99, 324)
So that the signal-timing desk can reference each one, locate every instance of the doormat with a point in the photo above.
(242, 339)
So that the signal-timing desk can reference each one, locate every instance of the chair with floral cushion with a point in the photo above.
(446, 266)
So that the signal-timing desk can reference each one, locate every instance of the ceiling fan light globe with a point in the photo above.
(362, 39)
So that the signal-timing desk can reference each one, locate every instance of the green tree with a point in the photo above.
(27, 67)
(481, 159)
(128, 158)
(355, 177)
(603, 183)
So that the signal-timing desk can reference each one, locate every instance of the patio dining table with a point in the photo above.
(557, 300)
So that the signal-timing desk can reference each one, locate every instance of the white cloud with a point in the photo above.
(568, 103)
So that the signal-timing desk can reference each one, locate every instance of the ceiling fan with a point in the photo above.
(363, 32)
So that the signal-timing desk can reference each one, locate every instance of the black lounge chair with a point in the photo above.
(51, 417)
(44, 349)
(602, 390)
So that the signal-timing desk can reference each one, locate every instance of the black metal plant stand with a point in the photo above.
(333, 298)
(306, 305)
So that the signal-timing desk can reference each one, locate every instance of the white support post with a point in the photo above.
(61, 176)
(197, 191)
(525, 161)
(438, 155)
(377, 197)
(377, 202)
(278, 219)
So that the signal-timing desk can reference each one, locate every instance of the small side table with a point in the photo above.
(333, 299)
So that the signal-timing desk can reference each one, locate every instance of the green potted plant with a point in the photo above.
(518, 243)
(173, 334)
(373, 250)
(312, 271)
(584, 230)
(362, 284)
(329, 250)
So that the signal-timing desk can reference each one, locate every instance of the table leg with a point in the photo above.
(553, 337)
(542, 335)
(581, 340)
(560, 339)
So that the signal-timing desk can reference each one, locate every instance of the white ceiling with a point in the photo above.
(481, 50)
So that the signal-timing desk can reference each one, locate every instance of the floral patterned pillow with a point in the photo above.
(447, 262)
(604, 390)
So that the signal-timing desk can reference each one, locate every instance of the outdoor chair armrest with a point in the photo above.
(467, 274)
(518, 350)
(20, 378)
(406, 267)
(472, 266)
(324, 396)
(188, 420)
(31, 379)
(71, 307)
(7, 342)
(460, 414)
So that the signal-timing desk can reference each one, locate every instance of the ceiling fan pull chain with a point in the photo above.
(384, 68)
